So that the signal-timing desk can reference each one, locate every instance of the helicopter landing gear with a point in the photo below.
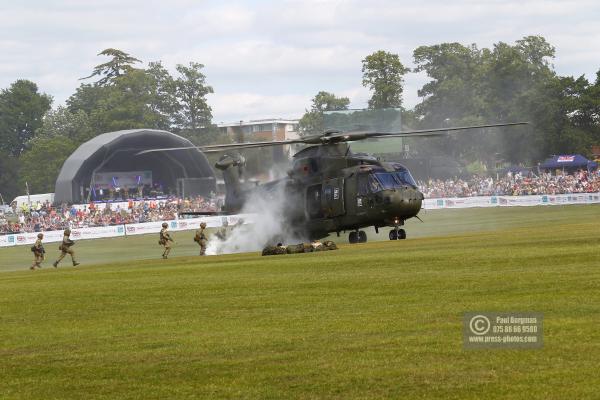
(357, 237)
(362, 237)
(397, 234)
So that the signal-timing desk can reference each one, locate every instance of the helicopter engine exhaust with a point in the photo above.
(234, 198)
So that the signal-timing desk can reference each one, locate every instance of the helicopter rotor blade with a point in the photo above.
(224, 147)
(443, 131)
(354, 136)
(332, 137)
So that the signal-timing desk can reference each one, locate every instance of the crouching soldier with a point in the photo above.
(65, 248)
(274, 250)
(201, 239)
(164, 240)
(324, 246)
(38, 252)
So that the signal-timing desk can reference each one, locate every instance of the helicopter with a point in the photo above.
(331, 189)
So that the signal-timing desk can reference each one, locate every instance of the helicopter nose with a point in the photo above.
(404, 203)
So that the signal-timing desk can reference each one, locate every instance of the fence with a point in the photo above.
(98, 232)
(512, 201)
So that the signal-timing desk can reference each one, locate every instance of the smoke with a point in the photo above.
(269, 224)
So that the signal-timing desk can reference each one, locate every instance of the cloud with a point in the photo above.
(244, 106)
(266, 58)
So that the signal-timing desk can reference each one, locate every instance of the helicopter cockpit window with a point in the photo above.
(387, 181)
(405, 177)
(390, 180)
(363, 184)
(374, 184)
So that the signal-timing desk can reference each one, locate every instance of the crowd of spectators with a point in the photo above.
(45, 217)
(518, 184)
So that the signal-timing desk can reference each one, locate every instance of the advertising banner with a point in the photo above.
(7, 240)
(511, 201)
(97, 232)
(148, 227)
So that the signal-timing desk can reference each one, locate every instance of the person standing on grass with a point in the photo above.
(164, 240)
(201, 238)
(38, 252)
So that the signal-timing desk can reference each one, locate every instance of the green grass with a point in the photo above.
(369, 321)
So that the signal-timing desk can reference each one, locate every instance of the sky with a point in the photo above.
(268, 59)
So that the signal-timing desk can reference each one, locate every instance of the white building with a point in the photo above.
(261, 130)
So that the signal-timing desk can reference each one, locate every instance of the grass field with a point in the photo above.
(369, 321)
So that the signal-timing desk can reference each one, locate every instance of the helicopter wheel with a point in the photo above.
(353, 237)
(362, 237)
(393, 235)
(401, 234)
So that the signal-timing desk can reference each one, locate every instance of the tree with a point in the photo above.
(312, 121)
(9, 176)
(383, 74)
(191, 90)
(86, 98)
(120, 64)
(324, 101)
(502, 84)
(41, 164)
(21, 110)
(163, 100)
(454, 92)
(516, 79)
(126, 104)
(74, 126)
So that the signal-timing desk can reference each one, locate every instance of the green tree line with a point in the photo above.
(467, 85)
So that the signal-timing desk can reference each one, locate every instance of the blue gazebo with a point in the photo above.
(570, 162)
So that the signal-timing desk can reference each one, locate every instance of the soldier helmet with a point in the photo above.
(164, 225)
(40, 235)
(67, 231)
(202, 224)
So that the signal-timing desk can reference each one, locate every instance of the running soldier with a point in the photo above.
(201, 238)
(165, 238)
(65, 248)
(38, 252)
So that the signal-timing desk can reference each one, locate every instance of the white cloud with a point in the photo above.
(244, 106)
(269, 58)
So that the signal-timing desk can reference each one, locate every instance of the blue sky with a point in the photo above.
(267, 59)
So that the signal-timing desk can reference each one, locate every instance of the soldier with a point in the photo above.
(38, 252)
(201, 239)
(222, 233)
(165, 238)
(274, 250)
(65, 248)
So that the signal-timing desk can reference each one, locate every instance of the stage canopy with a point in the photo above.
(115, 151)
(570, 162)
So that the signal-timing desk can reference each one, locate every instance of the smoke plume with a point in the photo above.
(268, 224)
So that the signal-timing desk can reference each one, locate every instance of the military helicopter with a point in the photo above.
(331, 189)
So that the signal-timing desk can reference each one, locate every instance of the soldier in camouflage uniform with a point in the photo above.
(299, 248)
(222, 233)
(165, 238)
(38, 252)
(201, 238)
(65, 248)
